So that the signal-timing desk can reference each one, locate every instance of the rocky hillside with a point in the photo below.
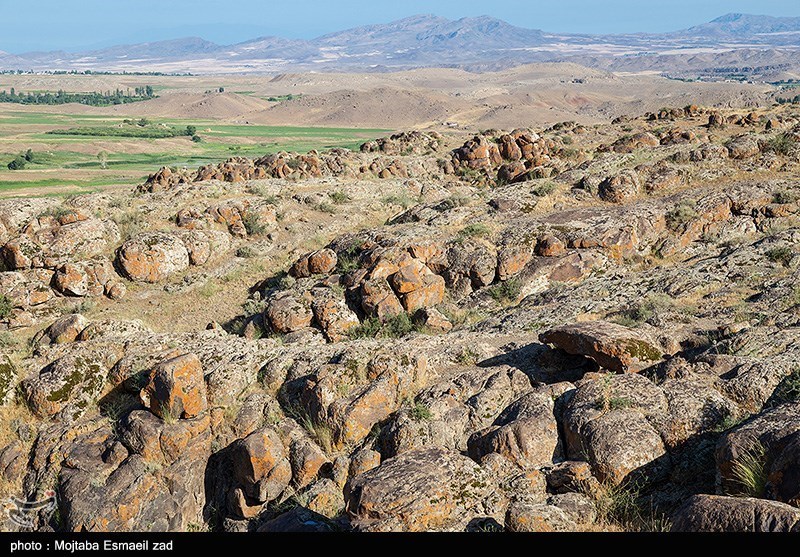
(576, 328)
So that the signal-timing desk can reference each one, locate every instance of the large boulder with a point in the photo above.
(287, 312)
(144, 475)
(261, 471)
(152, 257)
(333, 314)
(743, 147)
(395, 377)
(67, 386)
(176, 388)
(92, 278)
(764, 438)
(613, 347)
(62, 330)
(620, 188)
(525, 433)
(613, 422)
(321, 262)
(713, 513)
(419, 491)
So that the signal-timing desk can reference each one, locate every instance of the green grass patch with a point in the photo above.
(396, 326)
(506, 292)
(782, 255)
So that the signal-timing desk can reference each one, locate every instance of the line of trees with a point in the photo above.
(92, 99)
(88, 72)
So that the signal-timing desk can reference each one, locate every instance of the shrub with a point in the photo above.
(468, 357)
(325, 208)
(7, 340)
(454, 201)
(56, 212)
(645, 310)
(784, 197)
(18, 163)
(245, 252)
(253, 225)
(5, 306)
(624, 506)
(788, 389)
(420, 412)
(749, 471)
(780, 144)
(474, 230)
(506, 292)
(782, 255)
(403, 200)
(681, 215)
(347, 259)
(130, 223)
(339, 197)
(396, 326)
(544, 189)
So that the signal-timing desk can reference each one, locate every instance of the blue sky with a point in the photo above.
(80, 24)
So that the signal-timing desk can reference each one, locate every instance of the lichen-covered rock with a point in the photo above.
(611, 421)
(261, 469)
(176, 388)
(620, 188)
(613, 347)
(525, 516)
(333, 314)
(525, 433)
(63, 329)
(288, 312)
(320, 262)
(92, 278)
(764, 438)
(67, 386)
(743, 147)
(421, 491)
(152, 257)
(713, 513)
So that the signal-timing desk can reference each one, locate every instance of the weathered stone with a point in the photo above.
(713, 513)
(62, 330)
(432, 320)
(379, 300)
(288, 312)
(260, 466)
(176, 388)
(524, 516)
(69, 384)
(319, 262)
(152, 257)
(612, 346)
(764, 438)
(525, 433)
(620, 188)
(420, 491)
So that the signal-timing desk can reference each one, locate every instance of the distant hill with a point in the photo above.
(472, 43)
(744, 25)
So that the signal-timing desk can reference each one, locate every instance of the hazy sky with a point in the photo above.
(79, 24)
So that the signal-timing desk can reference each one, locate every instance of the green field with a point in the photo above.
(71, 162)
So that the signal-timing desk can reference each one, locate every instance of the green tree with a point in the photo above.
(18, 163)
(191, 130)
(221, 90)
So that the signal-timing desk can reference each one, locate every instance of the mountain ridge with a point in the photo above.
(426, 40)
